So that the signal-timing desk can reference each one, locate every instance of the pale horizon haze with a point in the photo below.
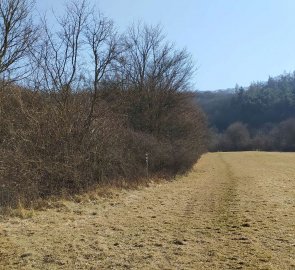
(231, 41)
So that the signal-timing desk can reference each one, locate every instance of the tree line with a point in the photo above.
(260, 117)
(81, 104)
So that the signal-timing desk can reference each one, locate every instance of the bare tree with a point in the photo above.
(63, 61)
(17, 35)
(102, 40)
(57, 57)
(155, 72)
(150, 62)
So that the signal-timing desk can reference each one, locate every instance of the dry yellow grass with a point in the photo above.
(233, 211)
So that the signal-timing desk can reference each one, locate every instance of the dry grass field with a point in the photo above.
(233, 211)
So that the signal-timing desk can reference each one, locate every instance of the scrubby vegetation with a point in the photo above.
(82, 105)
(260, 117)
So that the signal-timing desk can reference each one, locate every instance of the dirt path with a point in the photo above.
(233, 211)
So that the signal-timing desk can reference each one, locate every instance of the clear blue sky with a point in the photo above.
(232, 41)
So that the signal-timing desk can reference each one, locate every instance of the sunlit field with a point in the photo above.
(232, 211)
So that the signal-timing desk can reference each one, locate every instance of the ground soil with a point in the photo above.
(233, 211)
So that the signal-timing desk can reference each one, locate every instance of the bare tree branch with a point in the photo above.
(152, 63)
(58, 54)
(17, 35)
(101, 38)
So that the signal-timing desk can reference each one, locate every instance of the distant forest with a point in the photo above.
(259, 117)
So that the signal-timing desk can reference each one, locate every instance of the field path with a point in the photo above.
(233, 211)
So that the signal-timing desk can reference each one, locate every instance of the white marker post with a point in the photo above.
(147, 164)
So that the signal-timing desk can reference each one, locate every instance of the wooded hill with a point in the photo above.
(261, 116)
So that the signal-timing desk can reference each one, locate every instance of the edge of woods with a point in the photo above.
(71, 121)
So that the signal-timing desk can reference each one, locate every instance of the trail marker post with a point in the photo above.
(147, 164)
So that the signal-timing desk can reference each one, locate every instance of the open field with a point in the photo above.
(233, 211)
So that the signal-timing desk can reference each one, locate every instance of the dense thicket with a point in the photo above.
(261, 116)
(82, 105)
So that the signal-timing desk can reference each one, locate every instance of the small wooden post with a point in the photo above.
(147, 164)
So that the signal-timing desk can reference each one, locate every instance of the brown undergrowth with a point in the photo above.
(46, 148)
